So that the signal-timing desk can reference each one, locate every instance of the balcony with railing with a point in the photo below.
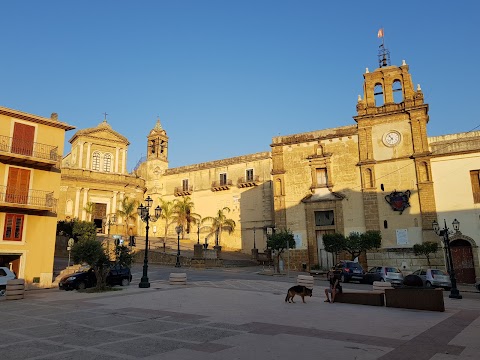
(249, 181)
(28, 152)
(221, 185)
(31, 199)
(183, 190)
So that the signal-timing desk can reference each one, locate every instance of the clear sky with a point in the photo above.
(226, 76)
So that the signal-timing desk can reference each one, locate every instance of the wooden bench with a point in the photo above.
(305, 280)
(178, 279)
(373, 298)
(415, 298)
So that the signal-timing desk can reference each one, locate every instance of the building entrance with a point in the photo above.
(462, 257)
(12, 262)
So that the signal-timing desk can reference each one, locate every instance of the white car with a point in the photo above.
(5, 275)
(434, 278)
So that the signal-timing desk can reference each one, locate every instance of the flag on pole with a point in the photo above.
(380, 33)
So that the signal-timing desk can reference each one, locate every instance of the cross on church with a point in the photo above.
(105, 116)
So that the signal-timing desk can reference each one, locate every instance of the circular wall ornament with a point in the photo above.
(391, 138)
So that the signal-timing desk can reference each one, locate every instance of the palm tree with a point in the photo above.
(128, 210)
(184, 214)
(168, 214)
(89, 209)
(220, 223)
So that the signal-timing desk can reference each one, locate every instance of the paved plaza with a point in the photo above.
(230, 319)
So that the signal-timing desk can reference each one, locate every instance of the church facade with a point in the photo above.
(381, 173)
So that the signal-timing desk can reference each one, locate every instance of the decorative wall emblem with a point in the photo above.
(398, 200)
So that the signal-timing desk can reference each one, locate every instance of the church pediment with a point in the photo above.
(102, 131)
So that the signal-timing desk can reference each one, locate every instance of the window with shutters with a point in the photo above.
(475, 178)
(23, 136)
(185, 184)
(322, 178)
(18, 183)
(96, 161)
(249, 175)
(223, 179)
(13, 228)
(107, 162)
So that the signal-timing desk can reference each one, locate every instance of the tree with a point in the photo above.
(89, 209)
(65, 228)
(168, 214)
(123, 256)
(354, 244)
(84, 230)
(183, 210)
(220, 223)
(279, 241)
(128, 211)
(91, 251)
(425, 249)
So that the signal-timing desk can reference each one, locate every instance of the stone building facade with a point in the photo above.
(382, 173)
(94, 173)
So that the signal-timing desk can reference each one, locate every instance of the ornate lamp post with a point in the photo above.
(454, 293)
(108, 221)
(144, 213)
(178, 229)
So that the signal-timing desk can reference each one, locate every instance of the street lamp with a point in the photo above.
(178, 229)
(254, 245)
(109, 220)
(144, 213)
(454, 293)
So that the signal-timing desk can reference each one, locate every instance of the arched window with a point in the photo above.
(368, 178)
(378, 93)
(69, 207)
(278, 187)
(107, 162)
(423, 172)
(397, 91)
(96, 161)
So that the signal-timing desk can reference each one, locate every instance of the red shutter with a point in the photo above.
(13, 228)
(23, 136)
(17, 185)
(475, 178)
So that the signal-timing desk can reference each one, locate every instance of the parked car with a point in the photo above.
(5, 275)
(118, 275)
(434, 278)
(384, 273)
(347, 270)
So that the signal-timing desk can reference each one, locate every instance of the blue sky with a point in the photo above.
(226, 76)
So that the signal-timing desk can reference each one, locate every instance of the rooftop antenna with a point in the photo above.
(383, 53)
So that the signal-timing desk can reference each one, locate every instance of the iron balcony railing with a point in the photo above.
(28, 148)
(225, 183)
(249, 179)
(30, 198)
(184, 190)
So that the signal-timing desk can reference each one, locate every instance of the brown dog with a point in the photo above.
(298, 290)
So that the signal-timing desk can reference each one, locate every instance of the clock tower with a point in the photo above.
(157, 159)
(393, 154)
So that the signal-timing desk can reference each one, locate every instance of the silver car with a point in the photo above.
(384, 273)
(434, 278)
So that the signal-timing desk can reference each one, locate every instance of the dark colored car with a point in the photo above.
(347, 270)
(118, 275)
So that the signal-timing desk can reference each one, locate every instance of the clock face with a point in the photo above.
(391, 138)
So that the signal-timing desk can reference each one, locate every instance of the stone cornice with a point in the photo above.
(220, 163)
(326, 134)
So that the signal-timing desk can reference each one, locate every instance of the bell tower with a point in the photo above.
(393, 151)
(157, 143)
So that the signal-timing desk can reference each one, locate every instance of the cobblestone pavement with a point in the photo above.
(228, 319)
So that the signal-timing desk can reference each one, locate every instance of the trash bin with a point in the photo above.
(304, 266)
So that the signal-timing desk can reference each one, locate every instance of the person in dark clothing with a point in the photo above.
(334, 287)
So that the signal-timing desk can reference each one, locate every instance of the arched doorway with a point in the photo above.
(462, 257)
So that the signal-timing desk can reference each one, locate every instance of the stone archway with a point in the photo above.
(463, 263)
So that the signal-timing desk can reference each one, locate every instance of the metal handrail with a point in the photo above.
(32, 197)
(180, 189)
(28, 148)
(243, 180)
(222, 183)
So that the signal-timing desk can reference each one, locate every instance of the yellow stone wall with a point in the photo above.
(36, 247)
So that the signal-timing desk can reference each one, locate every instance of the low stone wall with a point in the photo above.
(404, 259)
(297, 259)
(169, 259)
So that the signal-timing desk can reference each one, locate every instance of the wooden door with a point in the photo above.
(23, 136)
(17, 185)
(462, 257)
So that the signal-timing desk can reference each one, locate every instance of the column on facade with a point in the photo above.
(89, 148)
(114, 202)
(80, 156)
(122, 195)
(77, 202)
(117, 154)
(85, 199)
(124, 161)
